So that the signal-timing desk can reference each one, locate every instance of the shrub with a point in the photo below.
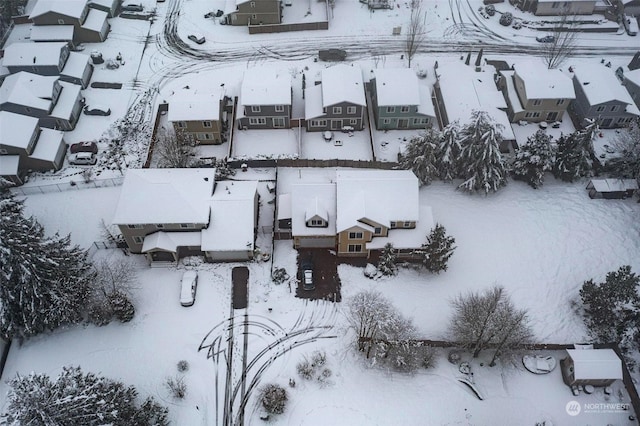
(177, 387)
(122, 307)
(318, 359)
(274, 398)
(100, 313)
(506, 19)
(305, 369)
(279, 275)
(183, 366)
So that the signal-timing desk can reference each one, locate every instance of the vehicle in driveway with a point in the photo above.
(132, 7)
(196, 38)
(546, 39)
(188, 288)
(83, 147)
(97, 110)
(83, 159)
(307, 276)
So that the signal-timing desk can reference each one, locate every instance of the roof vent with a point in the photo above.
(585, 83)
(34, 59)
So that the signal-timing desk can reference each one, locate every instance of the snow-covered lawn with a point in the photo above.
(271, 143)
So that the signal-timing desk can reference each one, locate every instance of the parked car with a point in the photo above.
(196, 38)
(630, 24)
(332, 55)
(132, 7)
(307, 275)
(546, 39)
(188, 288)
(83, 159)
(84, 147)
(97, 110)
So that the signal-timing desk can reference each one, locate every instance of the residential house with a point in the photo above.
(201, 115)
(601, 97)
(460, 89)
(265, 99)
(49, 58)
(89, 24)
(399, 101)
(24, 147)
(56, 104)
(167, 214)
(632, 83)
(629, 7)
(109, 6)
(596, 367)
(357, 213)
(612, 188)
(337, 102)
(565, 7)
(535, 93)
(49, 33)
(253, 12)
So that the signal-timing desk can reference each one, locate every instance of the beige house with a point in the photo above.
(199, 114)
(566, 7)
(253, 12)
(167, 214)
(535, 93)
(596, 367)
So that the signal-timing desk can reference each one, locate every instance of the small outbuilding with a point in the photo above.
(596, 367)
(612, 188)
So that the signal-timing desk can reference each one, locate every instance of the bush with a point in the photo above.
(279, 275)
(177, 387)
(490, 9)
(506, 19)
(305, 369)
(183, 366)
(274, 398)
(428, 357)
(318, 359)
(100, 313)
(122, 307)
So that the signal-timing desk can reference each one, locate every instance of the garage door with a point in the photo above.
(327, 242)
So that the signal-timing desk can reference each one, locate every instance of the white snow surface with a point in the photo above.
(265, 86)
(342, 83)
(397, 87)
(71, 8)
(36, 54)
(543, 83)
(595, 364)
(600, 85)
(16, 130)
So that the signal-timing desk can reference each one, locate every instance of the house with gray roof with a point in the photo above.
(265, 99)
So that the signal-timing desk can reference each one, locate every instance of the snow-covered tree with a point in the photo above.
(175, 149)
(45, 280)
(481, 163)
(574, 155)
(513, 330)
(612, 308)
(435, 253)
(76, 398)
(626, 160)
(10, 8)
(448, 153)
(420, 156)
(387, 261)
(114, 280)
(533, 159)
(274, 398)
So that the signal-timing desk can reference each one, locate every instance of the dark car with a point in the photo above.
(546, 39)
(84, 147)
(332, 55)
(307, 275)
(196, 39)
(97, 110)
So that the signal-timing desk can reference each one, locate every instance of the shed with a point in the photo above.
(612, 188)
(596, 367)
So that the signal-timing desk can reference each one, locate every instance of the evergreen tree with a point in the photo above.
(45, 280)
(387, 262)
(481, 162)
(533, 159)
(420, 156)
(626, 162)
(448, 153)
(438, 249)
(77, 398)
(574, 156)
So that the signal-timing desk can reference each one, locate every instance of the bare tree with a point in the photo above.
(557, 51)
(513, 329)
(175, 149)
(416, 30)
(366, 311)
(115, 275)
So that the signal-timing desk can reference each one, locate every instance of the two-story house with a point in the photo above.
(89, 24)
(337, 102)
(632, 83)
(201, 115)
(56, 104)
(535, 93)
(265, 100)
(253, 12)
(24, 146)
(399, 101)
(167, 214)
(601, 97)
(49, 58)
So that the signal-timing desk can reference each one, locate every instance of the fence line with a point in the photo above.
(66, 186)
(302, 162)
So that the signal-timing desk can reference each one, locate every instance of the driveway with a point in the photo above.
(325, 275)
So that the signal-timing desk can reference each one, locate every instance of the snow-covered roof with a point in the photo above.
(381, 196)
(408, 238)
(31, 90)
(76, 65)
(426, 104)
(195, 106)
(600, 85)
(543, 83)
(595, 364)
(307, 198)
(170, 241)
(612, 185)
(396, 86)
(570, 1)
(51, 32)
(9, 165)
(105, 3)
(16, 130)
(233, 207)
(265, 86)
(512, 94)
(72, 8)
(633, 76)
(284, 206)
(48, 145)
(342, 83)
(165, 196)
(33, 54)
(67, 101)
(95, 20)
(313, 102)
(465, 90)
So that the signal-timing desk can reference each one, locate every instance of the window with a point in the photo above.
(355, 235)
(406, 225)
(600, 108)
(254, 16)
(353, 121)
(181, 124)
(253, 4)
(391, 109)
(351, 110)
(560, 102)
(205, 136)
(138, 240)
(386, 121)
(60, 21)
(187, 225)
(537, 102)
(134, 226)
(27, 109)
(3, 151)
(255, 108)
(393, 225)
(278, 121)
(404, 109)
(206, 124)
(257, 121)
(423, 120)
(316, 222)
(377, 230)
(337, 110)
(279, 108)
(532, 115)
(318, 123)
(355, 248)
(624, 120)
(615, 108)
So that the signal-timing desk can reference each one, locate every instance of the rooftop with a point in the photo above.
(195, 106)
(396, 86)
(33, 54)
(596, 364)
(265, 86)
(16, 130)
(543, 83)
(72, 8)
(600, 85)
(342, 83)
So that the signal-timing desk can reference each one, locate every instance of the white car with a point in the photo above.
(188, 288)
(83, 159)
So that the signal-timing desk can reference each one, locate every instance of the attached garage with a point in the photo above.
(315, 242)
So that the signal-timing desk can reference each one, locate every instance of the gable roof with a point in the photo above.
(195, 106)
(31, 90)
(600, 85)
(595, 364)
(16, 130)
(51, 33)
(33, 54)
(396, 86)
(265, 86)
(633, 76)
(378, 195)
(71, 8)
(166, 196)
(313, 198)
(543, 83)
(342, 83)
